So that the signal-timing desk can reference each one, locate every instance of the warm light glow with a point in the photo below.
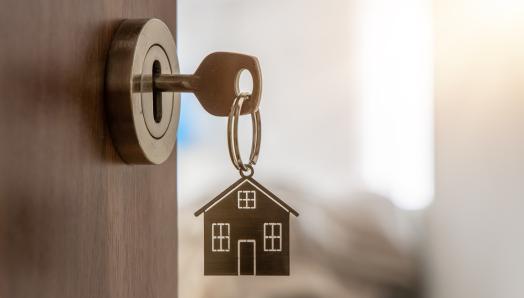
(395, 71)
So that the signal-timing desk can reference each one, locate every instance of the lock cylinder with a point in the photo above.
(143, 121)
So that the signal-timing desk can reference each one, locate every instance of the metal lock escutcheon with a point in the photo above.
(143, 85)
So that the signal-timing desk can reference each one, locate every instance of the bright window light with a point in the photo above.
(394, 46)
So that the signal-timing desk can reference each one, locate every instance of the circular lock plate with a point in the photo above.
(138, 137)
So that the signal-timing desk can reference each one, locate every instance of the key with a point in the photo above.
(215, 82)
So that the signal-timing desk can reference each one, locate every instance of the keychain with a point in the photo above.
(246, 227)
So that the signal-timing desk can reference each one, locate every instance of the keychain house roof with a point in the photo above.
(246, 231)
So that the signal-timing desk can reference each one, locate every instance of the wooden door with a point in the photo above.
(75, 221)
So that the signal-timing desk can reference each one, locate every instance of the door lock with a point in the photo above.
(143, 85)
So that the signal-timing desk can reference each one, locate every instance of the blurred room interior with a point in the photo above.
(394, 127)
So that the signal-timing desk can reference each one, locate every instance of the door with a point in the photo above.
(246, 257)
(75, 221)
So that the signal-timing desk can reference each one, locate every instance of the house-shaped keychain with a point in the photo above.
(246, 231)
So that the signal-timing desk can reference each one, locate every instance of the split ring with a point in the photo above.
(232, 134)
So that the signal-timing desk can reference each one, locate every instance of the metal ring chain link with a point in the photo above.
(232, 136)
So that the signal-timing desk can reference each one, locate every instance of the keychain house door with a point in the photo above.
(75, 220)
(247, 260)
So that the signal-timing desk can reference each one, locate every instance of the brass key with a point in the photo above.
(215, 82)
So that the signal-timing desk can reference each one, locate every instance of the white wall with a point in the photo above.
(346, 101)
(476, 246)
(308, 106)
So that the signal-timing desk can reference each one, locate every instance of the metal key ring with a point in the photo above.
(232, 135)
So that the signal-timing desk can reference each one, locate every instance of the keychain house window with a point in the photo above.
(272, 237)
(220, 237)
(247, 199)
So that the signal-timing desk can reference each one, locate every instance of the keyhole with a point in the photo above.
(157, 94)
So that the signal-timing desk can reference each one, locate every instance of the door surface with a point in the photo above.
(246, 258)
(75, 221)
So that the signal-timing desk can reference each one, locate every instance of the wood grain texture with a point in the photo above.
(75, 221)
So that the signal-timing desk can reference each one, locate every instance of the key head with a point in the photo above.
(218, 76)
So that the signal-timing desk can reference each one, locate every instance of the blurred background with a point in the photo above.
(394, 127)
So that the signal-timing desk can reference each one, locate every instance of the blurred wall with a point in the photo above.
(346, 101)
(308, 106)
(347, 126)
(477, 223)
